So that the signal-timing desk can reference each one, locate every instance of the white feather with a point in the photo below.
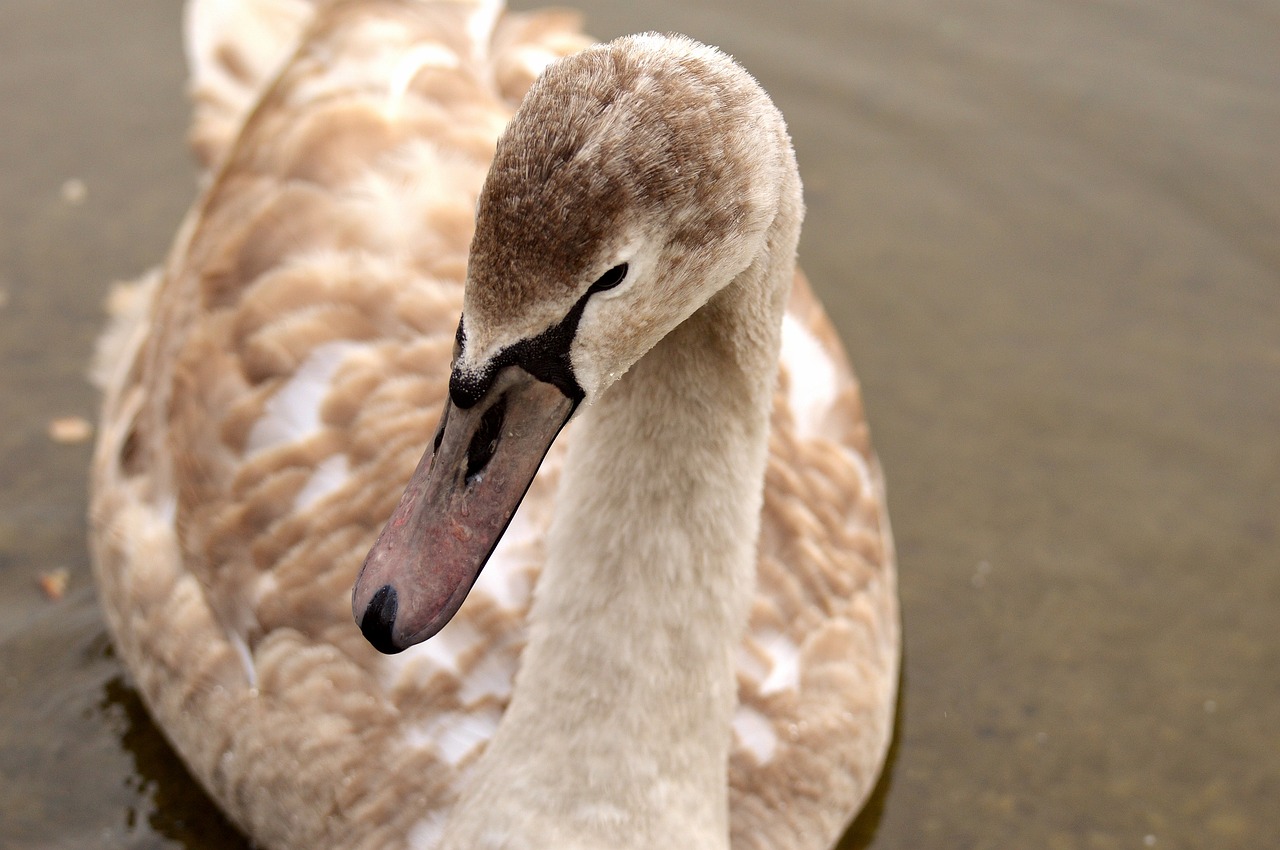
(811, 377)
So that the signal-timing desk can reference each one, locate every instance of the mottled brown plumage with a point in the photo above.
(271, 388)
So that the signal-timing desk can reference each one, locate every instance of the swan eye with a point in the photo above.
(610, 279)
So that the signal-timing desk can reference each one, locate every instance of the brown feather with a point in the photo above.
(332, 243)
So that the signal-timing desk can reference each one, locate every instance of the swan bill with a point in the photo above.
(456, 507)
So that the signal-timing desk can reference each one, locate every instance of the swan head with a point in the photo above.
(635, 181)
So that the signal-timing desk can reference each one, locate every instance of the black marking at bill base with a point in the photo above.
(545, 356)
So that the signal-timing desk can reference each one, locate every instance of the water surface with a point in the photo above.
(1049, 232)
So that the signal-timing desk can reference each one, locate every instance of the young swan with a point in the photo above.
(635, 244)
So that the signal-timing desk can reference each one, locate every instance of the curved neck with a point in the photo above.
(619, 729)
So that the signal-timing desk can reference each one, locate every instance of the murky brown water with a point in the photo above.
(1049, 231)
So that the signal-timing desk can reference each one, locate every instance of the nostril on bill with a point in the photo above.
(439, 437)
(485, 441)
(379, 619)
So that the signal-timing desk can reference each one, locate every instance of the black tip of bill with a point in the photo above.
(379, 619)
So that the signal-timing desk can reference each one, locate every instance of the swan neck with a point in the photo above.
(619, 730)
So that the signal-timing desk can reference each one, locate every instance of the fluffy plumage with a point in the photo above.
(272, 389)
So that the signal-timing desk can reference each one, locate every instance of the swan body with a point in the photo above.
(688, 631)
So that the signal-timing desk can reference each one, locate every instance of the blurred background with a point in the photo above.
(1049, 233)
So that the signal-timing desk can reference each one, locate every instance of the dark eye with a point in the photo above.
(610, 279)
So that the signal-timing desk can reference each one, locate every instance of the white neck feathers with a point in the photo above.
(619, 730)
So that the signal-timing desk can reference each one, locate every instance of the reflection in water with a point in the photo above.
(167, 795)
